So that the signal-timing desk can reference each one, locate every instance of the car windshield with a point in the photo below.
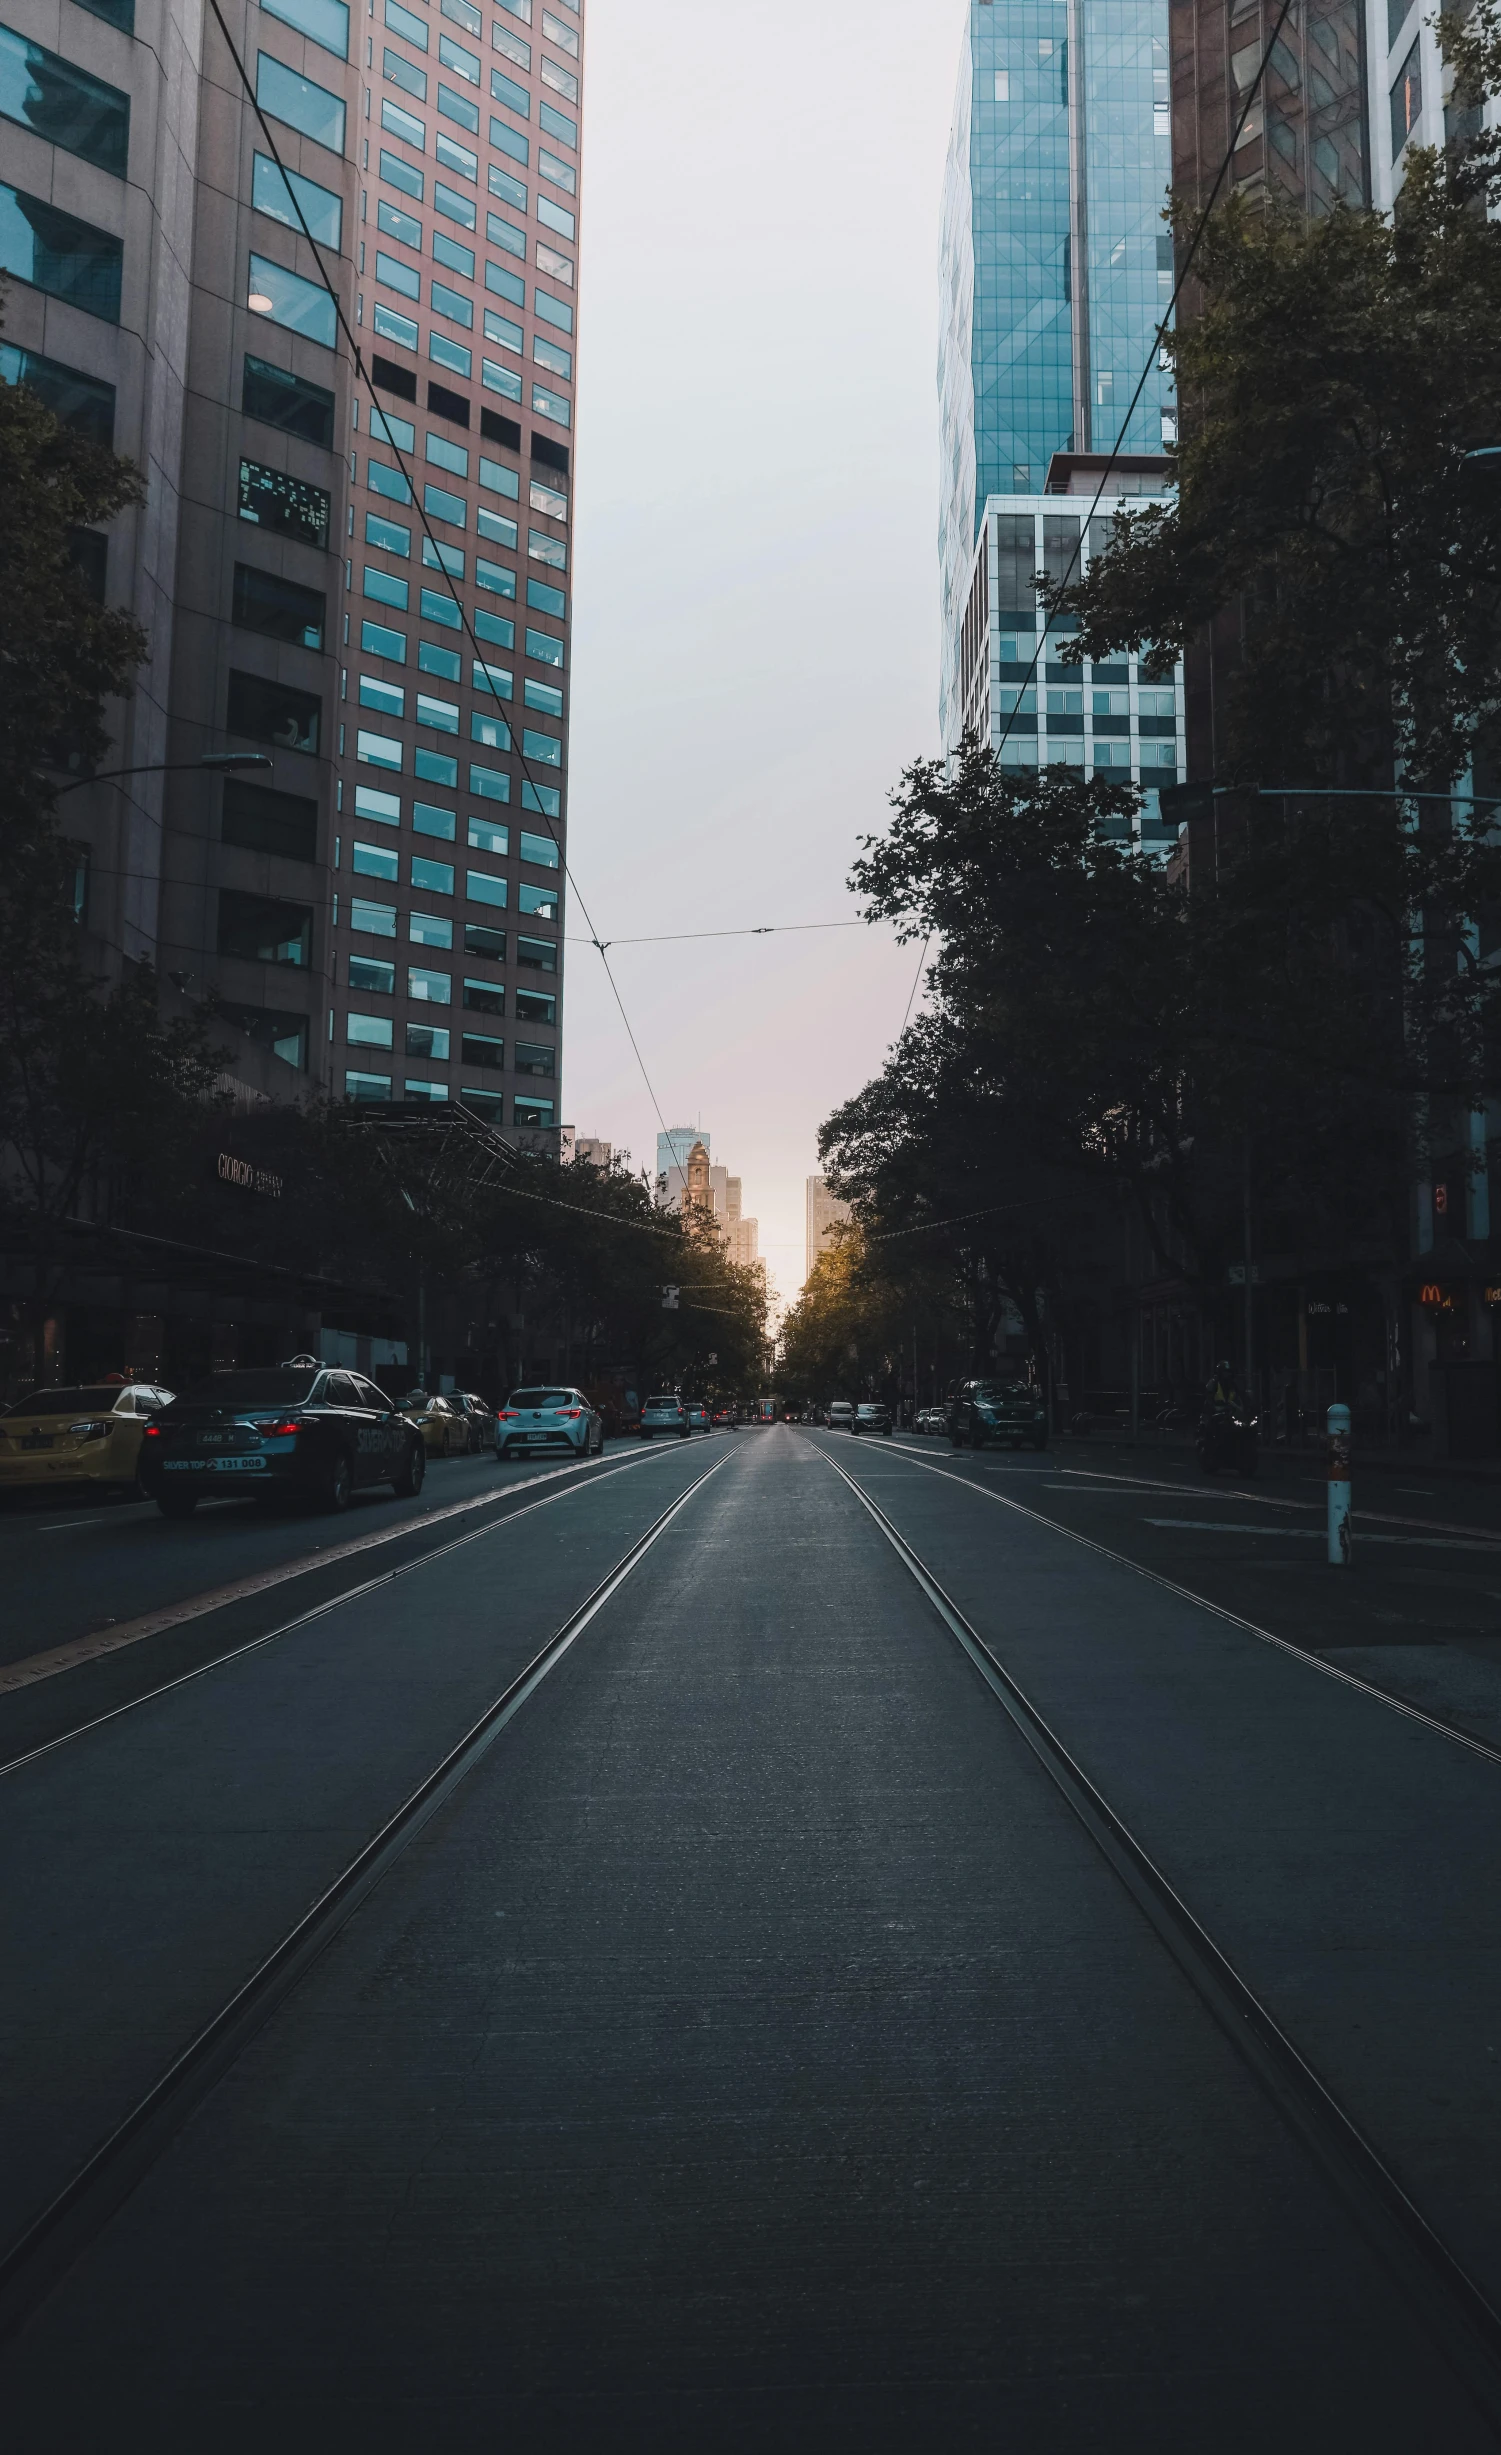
(540, 1398)
(1003, 1389)
(664, 1402)
(67, 1401)
(281, 1385)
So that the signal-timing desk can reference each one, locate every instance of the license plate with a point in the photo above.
(215, 1466)
(214, 1440)
(36, 1440)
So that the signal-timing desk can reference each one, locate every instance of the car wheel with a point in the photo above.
(177, 1504)
(407, 1483)
(337, 1485)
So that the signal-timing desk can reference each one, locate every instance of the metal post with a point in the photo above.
(1337, 1429)
(1135, 1374)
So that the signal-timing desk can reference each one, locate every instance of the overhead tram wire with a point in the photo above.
(1252, 90)
(678, 937)
(421, 511)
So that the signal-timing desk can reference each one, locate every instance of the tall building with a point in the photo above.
(1055, 268)
(673, 1150)
(380, 909)
(823, 1211)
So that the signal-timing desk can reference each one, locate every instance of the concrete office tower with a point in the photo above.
(673, 1148)
(381, 910)
(823, 1210)
(1055, 269)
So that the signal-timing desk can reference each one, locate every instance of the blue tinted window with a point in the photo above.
(392, 274)
(509, 190)
(401, 175)
(376, 640)
(389, 535)
(463, 63)
(394, 327)
(279, 196)
(554, 311)
(285, 298)
(401, 21)
(386, 588)
(458, 208)
(401, 71)
(323, 21)
(121, 13)
(63, 104)
(460, 108)
(451, 354)
(395, 224)
(458, 259)
(545, 600)
(398, 122)
(57, 253)
(506, 140)
(442, 610)
(515, 97)
(456, 157)
(299, 103)
(79, 401)
(554, 124)
(451, 303)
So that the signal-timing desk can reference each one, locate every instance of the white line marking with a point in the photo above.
(1316, 1534)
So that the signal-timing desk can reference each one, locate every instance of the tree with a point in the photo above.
(62, 653)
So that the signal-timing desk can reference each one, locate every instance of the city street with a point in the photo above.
(765, 1941)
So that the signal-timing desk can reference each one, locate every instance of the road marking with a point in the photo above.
(1233, 1619)
(1316, 1534)
(34, 1667)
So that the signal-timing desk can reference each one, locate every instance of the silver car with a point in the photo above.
(533, 1419)
(665, 1414)
(841, 1416)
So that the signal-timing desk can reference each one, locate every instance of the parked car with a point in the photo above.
(445, 1433)
(666, 1413)
(290, 1427)
(479, 1419)
(930, 1419)
(533, 1419)
(872, 1416)
(88, 1434)
(841, 1415)
(699, 1418)
(1009, 1412)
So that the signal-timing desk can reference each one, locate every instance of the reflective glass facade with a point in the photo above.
(1055, 266)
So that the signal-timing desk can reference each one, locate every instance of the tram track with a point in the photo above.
(1456, 2311)
(49, 2246)
(1455, 1732)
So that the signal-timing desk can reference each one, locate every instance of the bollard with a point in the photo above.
(1337, 1427)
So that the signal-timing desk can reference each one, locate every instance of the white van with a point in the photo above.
(841, 1416)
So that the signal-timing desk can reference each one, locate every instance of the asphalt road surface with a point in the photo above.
(776, 1943)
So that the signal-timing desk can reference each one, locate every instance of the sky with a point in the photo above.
(755, 559)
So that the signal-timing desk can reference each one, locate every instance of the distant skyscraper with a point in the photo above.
(1055, 268)
(824, 1211)
(673, 1149)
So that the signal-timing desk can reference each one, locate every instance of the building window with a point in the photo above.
(494, 576)
(563, 35)
(254, 930)
(76, 400)
(485, 996)
(278, 608)
(266, 711)
(429, 1040)
(481, 888)
(63, 104)
(439, 504)
(509, 141)
(562, 174)
(444, 662)
(450, 354)
(545, 600)
(552, 405)
(386, 588)
(390, 535)
(453, 156)
(367, 1086)
(436, 767)
(395, 328)
(461, 110)
(368, 973)
(544, 648)
(429, 819)
(259, 820)
(118, 13)
(492, 678)
(399, 174)
(405, 124)
(461, 209)
(394, 222)
(377, 640)
(372, 920)
(536, 1006)
(325, 22)
(392, 274)
(557, 125)
(426, 988)
(379, 750)
(489, 944)
(545, 799)
(502, 233)
(287, 402)
(375, 861)
(464, 63)
(556, 217)
(532, 1112)
(298, 103)
(536, 955)
(478, 1049)
(387, 698)
(458, 260)
(412, 29)
(1407, 98)
(284, 298)
(376, 808)
(441, 715)
(486, 836)
(542, 849)
(498, 629)
(428, 929)
(537, 903)
(422, 1090)
(562, 80)
(445, 611)
(56, 252)
(368, 1030)
(382, 478)
(431, 877)
(543, 747)
(402, 72)
(488, 784)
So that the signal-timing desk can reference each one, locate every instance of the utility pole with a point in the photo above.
(1250, 1312)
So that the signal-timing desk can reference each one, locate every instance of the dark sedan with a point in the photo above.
(1008, 1412)
(288, 1428)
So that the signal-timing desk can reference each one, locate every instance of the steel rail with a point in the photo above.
(391, 1534)
(1454, 2308)
(39, 2259)
(1452, 1731)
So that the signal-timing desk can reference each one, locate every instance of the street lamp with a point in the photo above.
(214, 760)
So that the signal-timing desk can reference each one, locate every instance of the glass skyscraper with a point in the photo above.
(1056, 265)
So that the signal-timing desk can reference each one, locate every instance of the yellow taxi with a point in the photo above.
(444, 1428)
(89, 1435)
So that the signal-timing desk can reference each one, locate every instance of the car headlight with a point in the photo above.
(90, 1430)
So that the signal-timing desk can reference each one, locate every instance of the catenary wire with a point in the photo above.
(419, 508)
(1252, 90)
